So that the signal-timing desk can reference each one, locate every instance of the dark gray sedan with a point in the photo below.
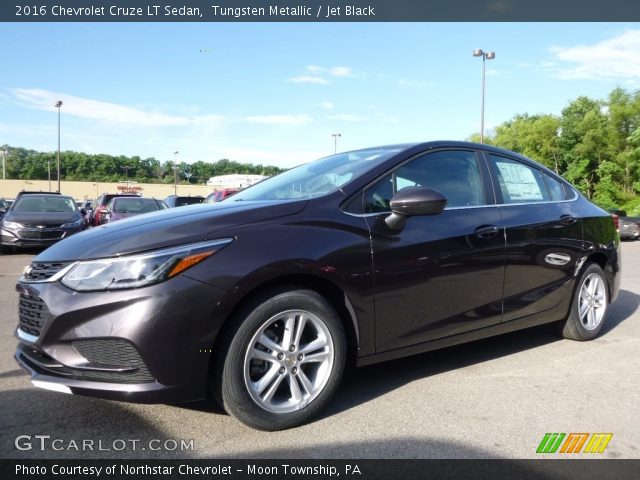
(39, 220)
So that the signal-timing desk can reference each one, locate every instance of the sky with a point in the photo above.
(275, 93)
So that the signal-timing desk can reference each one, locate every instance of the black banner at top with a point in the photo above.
(319, 10)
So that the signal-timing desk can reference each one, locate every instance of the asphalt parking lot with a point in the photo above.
(494, 398)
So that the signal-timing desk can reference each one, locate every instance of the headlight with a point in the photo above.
(77, 223)
(139, 270)
(11, 225)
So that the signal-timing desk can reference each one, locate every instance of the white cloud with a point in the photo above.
(341, 72)
(327, 105)
(94, 109)
(314, 69)
(347, 117)
(309, 79)
(614, 58)
(322, 75)
(288, 120)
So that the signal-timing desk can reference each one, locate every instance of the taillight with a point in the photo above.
(616, 221)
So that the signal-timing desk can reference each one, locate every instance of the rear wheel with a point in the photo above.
(284, 361)
(589, 305)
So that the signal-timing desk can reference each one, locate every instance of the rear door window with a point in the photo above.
(518, 182)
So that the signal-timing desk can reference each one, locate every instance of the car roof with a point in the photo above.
(33, 192)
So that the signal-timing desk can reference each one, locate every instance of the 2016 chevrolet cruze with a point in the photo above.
(363, 256)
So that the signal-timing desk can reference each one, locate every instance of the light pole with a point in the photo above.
(335, 142)
(175, 173)
(58, 105)
(126, 170)
(49, 171)
(4, 167)
(485, 56)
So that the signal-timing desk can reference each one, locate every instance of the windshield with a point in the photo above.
(317, 178)
(29, 203)
(133, 205)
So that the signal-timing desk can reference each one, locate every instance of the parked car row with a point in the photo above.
(43, 225)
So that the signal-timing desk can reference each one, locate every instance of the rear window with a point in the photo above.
(183, 201)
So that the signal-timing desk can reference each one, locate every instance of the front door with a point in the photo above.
(441, 274)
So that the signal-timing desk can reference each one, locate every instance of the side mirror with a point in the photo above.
(412, 201)
(83, 212)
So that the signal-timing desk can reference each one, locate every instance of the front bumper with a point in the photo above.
(149, 345)
(30, 237)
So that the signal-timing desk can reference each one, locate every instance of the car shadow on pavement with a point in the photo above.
(621, 309)
(107, 424)
(366, 383)
(12, 373)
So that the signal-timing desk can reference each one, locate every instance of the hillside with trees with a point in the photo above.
(75, 166)
(595, 144)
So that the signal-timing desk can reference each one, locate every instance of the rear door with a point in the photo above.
(544, 239)
(441, 274)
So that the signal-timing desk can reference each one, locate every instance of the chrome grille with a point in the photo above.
(33, 314)
(40, 271)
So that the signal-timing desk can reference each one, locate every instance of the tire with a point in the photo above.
(275, 375)
(588, 306)
(5, 250)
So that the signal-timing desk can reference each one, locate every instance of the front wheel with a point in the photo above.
(284, 361)
(589, 305)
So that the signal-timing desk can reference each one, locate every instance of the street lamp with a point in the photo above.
(175, 173)
(485, 56)
(4, 168)
(58, 105)
(335, 142)
(126, 170)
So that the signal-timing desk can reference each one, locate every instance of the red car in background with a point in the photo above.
(220, 195)
(101, 205)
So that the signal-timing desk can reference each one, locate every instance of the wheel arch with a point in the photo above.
(602, 261)
(336, 296)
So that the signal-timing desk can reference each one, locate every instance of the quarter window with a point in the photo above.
(556, 188)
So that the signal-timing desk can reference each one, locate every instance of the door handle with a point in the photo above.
(568, 219)
(486, 231)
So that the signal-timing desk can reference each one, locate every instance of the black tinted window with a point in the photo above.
(377, 197)
(453, 173)
(555, 187)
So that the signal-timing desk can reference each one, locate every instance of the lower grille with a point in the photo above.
(113, 353)
(33, 314)
(41, 234)
(42, 363)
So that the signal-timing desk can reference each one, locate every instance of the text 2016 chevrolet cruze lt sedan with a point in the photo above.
(364, 256)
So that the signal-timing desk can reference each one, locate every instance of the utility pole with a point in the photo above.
(58, 105)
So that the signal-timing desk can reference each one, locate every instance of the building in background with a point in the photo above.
(235, 181)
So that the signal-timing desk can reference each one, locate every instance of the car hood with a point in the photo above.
(165, 228)
(41, 218)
